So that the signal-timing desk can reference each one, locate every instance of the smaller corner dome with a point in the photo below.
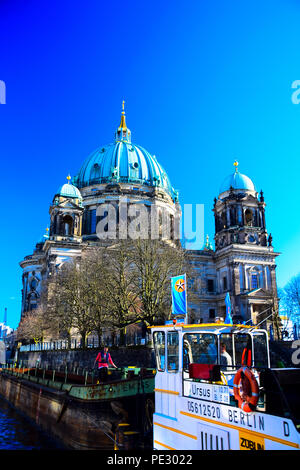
(237, 181)
(207, 245)
(69, 190)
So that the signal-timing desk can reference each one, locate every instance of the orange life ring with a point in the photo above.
(247, 357)
(249, 402)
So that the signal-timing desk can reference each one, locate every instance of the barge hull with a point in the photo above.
(78, 423)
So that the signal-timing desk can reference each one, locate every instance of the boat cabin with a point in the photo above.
(208, 351)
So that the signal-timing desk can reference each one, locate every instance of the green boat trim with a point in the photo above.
(132, 381)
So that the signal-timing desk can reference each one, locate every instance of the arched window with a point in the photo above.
(255, 278)
(93, 221)
(67, 226)
(248, 217)
(32, 300)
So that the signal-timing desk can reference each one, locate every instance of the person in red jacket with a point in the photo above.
(103, 361)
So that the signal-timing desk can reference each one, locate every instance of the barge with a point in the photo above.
(82, 413)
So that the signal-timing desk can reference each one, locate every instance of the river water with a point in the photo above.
(18, 433)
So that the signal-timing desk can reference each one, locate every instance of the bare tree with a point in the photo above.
(155, 262)
(290, 298)
(99, 299)
(123, 303)
(33, 326)
(70, 298)
(56, 301)
(111, 288)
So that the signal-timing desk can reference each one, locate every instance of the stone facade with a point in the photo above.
(243, 262)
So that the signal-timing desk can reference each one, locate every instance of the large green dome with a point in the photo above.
(123, 162)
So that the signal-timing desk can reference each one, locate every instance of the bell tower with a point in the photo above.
(66, 213)
(244, 254)
(240, 213)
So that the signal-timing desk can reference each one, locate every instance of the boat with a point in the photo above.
(81, 412)
(215, 390)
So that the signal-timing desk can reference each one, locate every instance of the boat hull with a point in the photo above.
(88, 418)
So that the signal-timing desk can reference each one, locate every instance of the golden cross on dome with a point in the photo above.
(122, 132)
(68, 178)
(236, 164)
(123, 119)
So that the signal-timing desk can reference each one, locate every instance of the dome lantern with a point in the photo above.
(123, 133)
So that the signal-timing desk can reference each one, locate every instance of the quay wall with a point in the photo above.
(139, 356)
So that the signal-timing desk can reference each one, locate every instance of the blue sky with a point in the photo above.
(205, 83)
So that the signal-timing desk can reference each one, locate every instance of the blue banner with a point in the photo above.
(295, 332)
(179, 298)
(228, 319)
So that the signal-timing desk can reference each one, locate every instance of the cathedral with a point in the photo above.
(125, 174)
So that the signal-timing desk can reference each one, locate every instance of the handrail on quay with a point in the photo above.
(76, 344)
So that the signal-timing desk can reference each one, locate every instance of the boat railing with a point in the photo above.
(62, 375)
(133, 340)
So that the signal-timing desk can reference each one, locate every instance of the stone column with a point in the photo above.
(236, 278)
(265, 277)
(263, 218)
(250, 310)
(228, 216)
(273, 279)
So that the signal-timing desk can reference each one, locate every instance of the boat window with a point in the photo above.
(260, 346)
(159, 347)
(172, 351)
(226, 351)
(199, 348)
(243, 349)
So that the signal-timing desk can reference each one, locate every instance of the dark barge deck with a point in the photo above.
(84, 414)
